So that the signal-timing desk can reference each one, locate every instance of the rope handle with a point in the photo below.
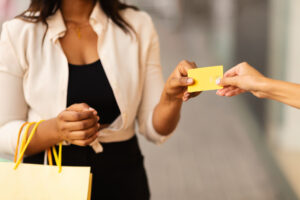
(25, 143)
(18, 141)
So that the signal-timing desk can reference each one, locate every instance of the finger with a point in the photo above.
(85, 134)
(184, 66)
(229, 81)
(85, 142)
(181, 82)
(223, 91)
(219, 92)
(81, 125)
(81, 107)
(234, 92)
(184, 99)
(194, 94)
(231, 72)
(72, 116)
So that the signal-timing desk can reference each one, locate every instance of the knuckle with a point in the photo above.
(81, 144)
(183, 80)
(61, 116)
(74, 105)
(63, 127)
(82, 125)
(84, 105)
(173, 81)
(76, 115)
(85, 134)
(244, 64)
(85, 124)
(183, 62)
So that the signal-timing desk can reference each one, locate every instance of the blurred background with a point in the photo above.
(239, 148)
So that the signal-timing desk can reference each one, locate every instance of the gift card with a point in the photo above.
(205, 78)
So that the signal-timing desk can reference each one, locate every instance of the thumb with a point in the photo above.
(186, 81)
(80, 107)
(229, 81)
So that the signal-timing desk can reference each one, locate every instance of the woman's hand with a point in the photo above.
(78, 124)
(242, 78)
(167, 112)
(176, 86)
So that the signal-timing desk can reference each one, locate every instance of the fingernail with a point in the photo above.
(98, 134)
(190, 80)
(218, 81)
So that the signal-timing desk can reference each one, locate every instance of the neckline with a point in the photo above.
(85, 65)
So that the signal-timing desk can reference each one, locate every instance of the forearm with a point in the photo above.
(46, 136)
(285, 92)
(166, 115)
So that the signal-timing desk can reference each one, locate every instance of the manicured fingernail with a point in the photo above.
(218, 81)
(190, 80)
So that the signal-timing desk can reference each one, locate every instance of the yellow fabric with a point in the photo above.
(205, 78)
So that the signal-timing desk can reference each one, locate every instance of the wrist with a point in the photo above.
(264, 84)
(170, 99)
(53, 123)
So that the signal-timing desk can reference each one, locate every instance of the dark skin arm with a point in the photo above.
(167, 113)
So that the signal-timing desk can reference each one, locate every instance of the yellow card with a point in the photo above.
(205, 78)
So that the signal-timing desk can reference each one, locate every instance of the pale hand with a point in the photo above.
(239, 79)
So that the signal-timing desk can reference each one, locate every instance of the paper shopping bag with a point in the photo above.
(41, 182)
(20, 181)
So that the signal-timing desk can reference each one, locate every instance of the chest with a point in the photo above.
(80, 45)
(46, 79)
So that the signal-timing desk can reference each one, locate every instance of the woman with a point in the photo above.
(90, 69)
(244, 78)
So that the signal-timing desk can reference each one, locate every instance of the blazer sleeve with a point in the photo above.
(13, 108)
(152, 90)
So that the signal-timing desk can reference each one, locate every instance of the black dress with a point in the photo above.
(118, 172)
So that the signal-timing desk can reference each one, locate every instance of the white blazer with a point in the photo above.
(34, 75)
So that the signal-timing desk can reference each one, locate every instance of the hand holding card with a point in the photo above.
(205, 78)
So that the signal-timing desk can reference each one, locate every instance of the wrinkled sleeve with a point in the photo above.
(13, 108)
(152, 89)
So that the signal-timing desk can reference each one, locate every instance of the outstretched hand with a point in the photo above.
(239, 79)
(177, 83)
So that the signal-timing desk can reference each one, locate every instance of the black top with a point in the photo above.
(89, 84)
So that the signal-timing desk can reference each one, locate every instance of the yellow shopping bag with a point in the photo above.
(41, 182)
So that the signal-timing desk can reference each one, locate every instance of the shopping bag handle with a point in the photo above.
(23, 149)
(25, 143)
(18, 141)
